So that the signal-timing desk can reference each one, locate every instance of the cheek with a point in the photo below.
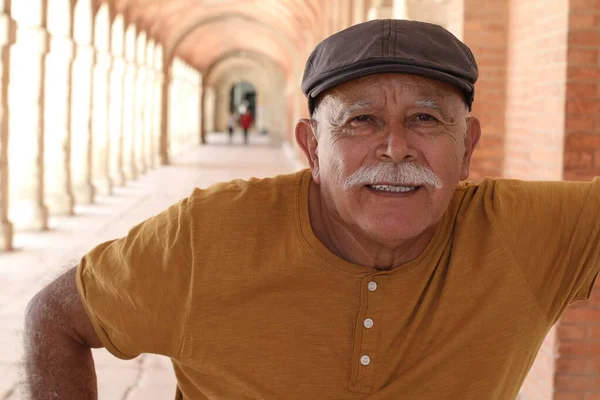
(343, 159)
(445, 161)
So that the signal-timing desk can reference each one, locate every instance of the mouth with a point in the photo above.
(393, 189)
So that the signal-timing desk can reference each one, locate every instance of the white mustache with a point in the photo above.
(405, 174)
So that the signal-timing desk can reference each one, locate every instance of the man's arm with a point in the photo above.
(58, 339)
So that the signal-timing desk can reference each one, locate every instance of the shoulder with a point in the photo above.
(252, 195)
(512, 188)
(518, 197)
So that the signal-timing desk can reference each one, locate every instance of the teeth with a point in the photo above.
(396, 189)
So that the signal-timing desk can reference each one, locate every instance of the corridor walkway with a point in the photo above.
(39, 257)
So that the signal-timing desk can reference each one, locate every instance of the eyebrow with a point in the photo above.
(346, 111)
(431, 103)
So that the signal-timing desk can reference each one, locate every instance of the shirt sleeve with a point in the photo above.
(553, 230)
(136, 289)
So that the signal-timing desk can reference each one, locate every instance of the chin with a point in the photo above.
(394, 231)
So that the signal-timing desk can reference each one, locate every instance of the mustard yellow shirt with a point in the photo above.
(232, 284)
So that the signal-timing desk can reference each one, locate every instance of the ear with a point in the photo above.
(306, 137)
(471, 139)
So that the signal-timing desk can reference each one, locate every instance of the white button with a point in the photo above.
(372, 286)
(368, 323)
(365, 360)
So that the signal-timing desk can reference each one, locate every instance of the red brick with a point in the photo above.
(582, 90)
(569, 396)
(584, 37)
(573, 366)
(594, 365)
(579, 175)
(597, 160)
(572, 331)
(580, 123)
(577, 55)
(583, 141)
(582, 73)
(577, 382)
(579, 348)
(581, 315)
(582, 20)
(578, 159)
(583, 106)
(584, 5)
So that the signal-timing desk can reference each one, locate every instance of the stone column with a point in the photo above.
(359, 11)
(129, 139)
(202, 111)
(157, 116)
(57, 112)
(139, 105)
(82, 150)
(117, 71)
(81, 92)
(173, 96)
(26, 99)
(149, 127)
(100, 104)
(164, 113)
(400, 9)
(7, 38)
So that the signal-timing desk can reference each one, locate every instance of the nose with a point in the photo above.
(397, 147)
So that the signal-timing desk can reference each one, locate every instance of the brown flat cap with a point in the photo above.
(390, 45)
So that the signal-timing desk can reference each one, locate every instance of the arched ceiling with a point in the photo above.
(249, 63)
(239, 58)
(235, 35)
(202, 31)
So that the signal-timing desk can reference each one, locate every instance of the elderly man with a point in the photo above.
(374, 274)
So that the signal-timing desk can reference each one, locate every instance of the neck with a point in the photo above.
(357, 248)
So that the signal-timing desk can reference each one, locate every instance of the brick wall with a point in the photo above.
(578, 365)
(582, 147)
(485, 31)
(539, 102)
(535, 112)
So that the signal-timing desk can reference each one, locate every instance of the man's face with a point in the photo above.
(389, 152)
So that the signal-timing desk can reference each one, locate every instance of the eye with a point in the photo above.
(361, 118)
(425, 118)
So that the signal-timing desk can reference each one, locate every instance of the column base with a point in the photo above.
(103, 186)
(130, 173)
(6, 236)
(84, 194)
(118, 178)
(30, 216)
(142, 168)
(60, 203)
(164, 159)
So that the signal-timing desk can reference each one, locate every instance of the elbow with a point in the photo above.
(34, 315)
(40, 315)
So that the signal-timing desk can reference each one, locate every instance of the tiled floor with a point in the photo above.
(42, 256)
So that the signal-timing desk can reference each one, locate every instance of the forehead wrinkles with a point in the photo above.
(381, 90)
